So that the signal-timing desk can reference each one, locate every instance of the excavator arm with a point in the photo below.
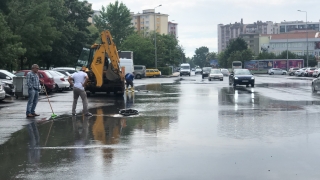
(99, 58)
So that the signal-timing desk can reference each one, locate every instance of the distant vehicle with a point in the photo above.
(127, 64)
(225, 72)
(309, 71)
(193, 69)
(236, 65)
(316, 72)
(2, 93)
(139, 71)
(300, 72)
(153, 73)
(241, 77)
(185, 69)
(206, 71)
(198, 70)
(279, 71)
(292, 71)
(215, 74)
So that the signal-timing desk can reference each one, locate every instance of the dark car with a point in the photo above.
(45, 76)
(205, 72)
(241, 77)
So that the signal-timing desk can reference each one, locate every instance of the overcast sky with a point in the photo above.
(198, 19)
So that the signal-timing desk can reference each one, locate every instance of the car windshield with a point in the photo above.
(224, 70)
(242, 72)
(215, 71)
(185, 67)
(206, 68)
(48, 74)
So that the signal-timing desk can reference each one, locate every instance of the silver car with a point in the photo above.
(300, 72)
(273, 71)
(315, 85)
(215, 74)
(2, 93)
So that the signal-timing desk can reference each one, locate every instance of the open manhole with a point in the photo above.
(128, 112)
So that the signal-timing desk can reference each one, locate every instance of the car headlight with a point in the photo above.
(235, 77)
(252, 77)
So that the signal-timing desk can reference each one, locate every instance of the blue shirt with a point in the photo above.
(33, 81)
(129, 77)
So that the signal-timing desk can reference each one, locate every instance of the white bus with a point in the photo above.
(236, 65)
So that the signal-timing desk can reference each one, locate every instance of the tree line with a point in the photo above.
(53, 33)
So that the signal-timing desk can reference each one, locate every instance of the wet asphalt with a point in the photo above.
(187, 128)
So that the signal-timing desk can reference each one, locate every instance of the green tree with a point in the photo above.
(234, 45)
(31, 21)
(74, 32)
(200, 57)
(266, 55)
(283, 55)
(117, 19)
(244, 55)
(143, 49)
(10, 46)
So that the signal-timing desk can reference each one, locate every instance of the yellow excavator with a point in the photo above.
(103, 68)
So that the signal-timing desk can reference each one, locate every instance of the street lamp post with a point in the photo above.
(306, 36)
(155, 37)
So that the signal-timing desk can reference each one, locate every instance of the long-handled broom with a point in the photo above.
(45, 90)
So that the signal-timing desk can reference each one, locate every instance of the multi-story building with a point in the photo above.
(232, 31)
(297, 26)
(295, 42)
(150, 21)
(252, 41)
(173, 29)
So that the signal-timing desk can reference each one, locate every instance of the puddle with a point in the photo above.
(66, 139)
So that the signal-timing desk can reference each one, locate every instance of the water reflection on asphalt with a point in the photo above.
(183, 131)
(74, 143)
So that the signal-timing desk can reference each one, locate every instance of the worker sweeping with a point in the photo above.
(129, 81)
(80, 79)
(33, 90)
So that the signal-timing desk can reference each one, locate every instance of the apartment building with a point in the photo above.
(231, 31)
(149, 21)
(173, 29)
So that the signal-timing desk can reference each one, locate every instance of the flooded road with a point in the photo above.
(190, 129)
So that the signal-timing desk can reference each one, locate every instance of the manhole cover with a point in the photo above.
(128, 112)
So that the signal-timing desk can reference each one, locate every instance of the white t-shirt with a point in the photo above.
(79, 78)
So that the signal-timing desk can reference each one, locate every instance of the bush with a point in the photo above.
(165, 70)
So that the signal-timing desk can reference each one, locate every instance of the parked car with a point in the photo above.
(193, 69)
(292, 71)
(60, 80)
(64, 72)
(205, 72)
(225, 72)
(273, 71)
(309, 71)
(316, 72)
(2, 93)
(315, 85)
(47, 78)
(198, 70)
(300, 72)
(6, 79)
(153, 73)
(215, 74)
(241, 77)
(139, 71)
(68, 69)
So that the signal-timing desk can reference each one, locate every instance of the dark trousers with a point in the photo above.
(128, 82)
